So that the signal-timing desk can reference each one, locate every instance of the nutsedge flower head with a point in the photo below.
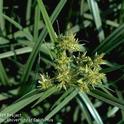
(45, 81)
(78, 71)
(62, 59)
(69, 42)
(98, 59)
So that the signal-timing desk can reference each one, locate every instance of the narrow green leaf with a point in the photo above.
(64, 95)
(3, 41)
(17, 25)
(3, 75)
(25, 32)
(20, 51)
(107, 98)
(110, 69)
(17, 52)
(76, 114)
(47, 21)
(62, 104)
(3, 96)
(36, 21)
(121, 12)
(20, 33)
(111, 40)
(96, 15)
(114, 45)
(28, 11)
(112, 112)
(120, 96)
(35, 91)
(2, 22)
(46, 94)
(91, 108)
(85, 111)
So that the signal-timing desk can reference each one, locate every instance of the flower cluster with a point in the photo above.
(45, 81)
(68, 42)
(78, 71)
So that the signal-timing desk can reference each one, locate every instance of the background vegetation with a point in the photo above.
(25, 52)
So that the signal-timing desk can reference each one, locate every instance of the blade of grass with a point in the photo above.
(91, 108)
(121, 13)
(36, 47)
(62, 104)
(120, 95)
(110, 45)
(85, 111)
(48, 61)
(28, 11)
(3, 41)
(24, 50)
(3, 75)
(55, 13)
(107, 98)
(114, 36)
(110, 69)
(35, 91)
(2, 22)
(17, 52)
(47, 21)
(76, 114)
(20, 34)
(97, 19)
(36, 21)
(16, 24)
(46, 94)
(64, 95)
(25, 32)
(112, 112)
(114, 45)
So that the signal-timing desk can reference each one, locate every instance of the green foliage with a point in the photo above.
(63, 74)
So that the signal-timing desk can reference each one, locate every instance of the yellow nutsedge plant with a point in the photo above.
(77, 71)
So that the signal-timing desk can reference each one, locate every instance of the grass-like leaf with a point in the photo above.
(45, 48)
(110, 69)
(91, 108)
(107, 98)
(46, 94)
(31, 93)
(85, 111)
(28, 11)
(25, 32)
(47, 21)
(2, 22)
(112, 41)
(36, 21)
(3, 75)
(97, 19)
(64, 95)
(62, 104)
